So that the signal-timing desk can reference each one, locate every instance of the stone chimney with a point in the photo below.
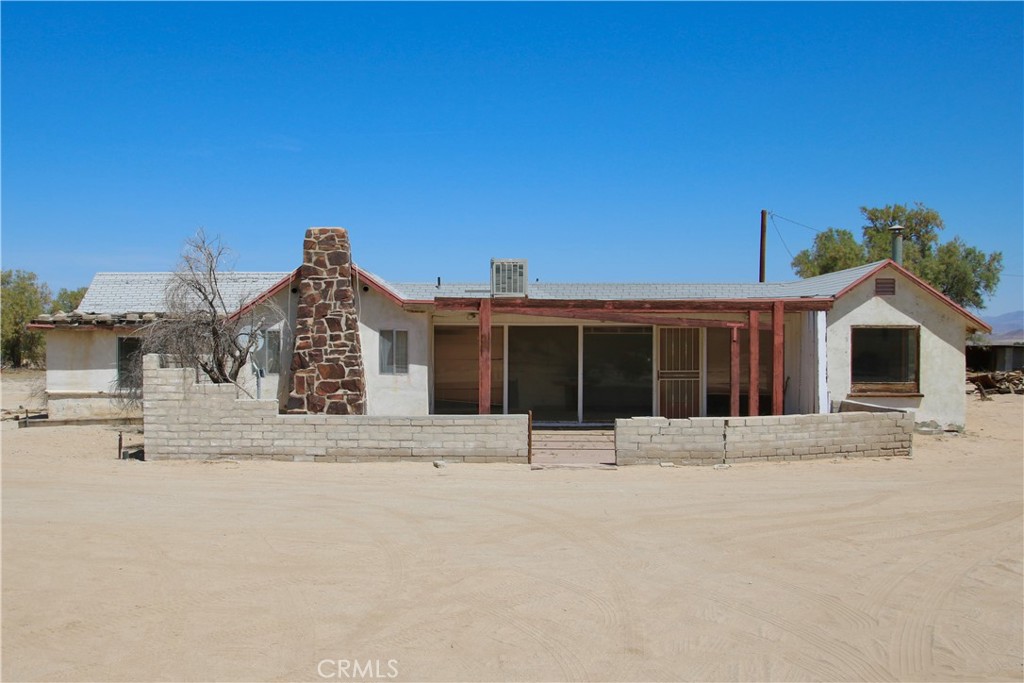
(327, 365)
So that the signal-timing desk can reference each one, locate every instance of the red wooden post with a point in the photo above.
(484, 395)
(753, 397)
(778, 341)
(734, 372)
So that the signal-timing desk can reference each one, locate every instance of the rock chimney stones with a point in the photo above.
(327, 365)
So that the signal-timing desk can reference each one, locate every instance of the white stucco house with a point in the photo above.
(577, 353)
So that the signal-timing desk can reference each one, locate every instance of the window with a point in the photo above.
(268, 355)
(394, 352)
(884, 360)
(457, 372)
(128, 371)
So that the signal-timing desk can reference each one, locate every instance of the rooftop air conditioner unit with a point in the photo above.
(508, 277)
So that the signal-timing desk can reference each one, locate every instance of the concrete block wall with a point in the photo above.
(705, 441)
(186, 420)
(652, 440)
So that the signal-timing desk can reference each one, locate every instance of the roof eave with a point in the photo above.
(974, 323)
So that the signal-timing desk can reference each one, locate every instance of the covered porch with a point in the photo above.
(572, 362)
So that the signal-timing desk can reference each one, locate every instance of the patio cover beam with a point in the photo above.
(520, 304)
(753, 393)
(778, 358)
(623, 317)
(734, 372)
(484, 376)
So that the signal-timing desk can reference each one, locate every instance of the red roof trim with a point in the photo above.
(975, 321)
(358, 274)
(372, 282)
(266, 295)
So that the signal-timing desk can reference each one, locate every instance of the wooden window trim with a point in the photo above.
(889, 389)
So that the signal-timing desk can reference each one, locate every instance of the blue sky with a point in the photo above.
(603, 142)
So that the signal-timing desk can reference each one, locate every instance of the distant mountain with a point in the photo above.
(1007, 327)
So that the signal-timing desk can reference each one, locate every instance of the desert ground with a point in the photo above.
(849, 570)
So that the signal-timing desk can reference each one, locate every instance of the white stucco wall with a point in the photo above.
(81, 371)
(942, 339)
(279, 315)
(81, 360)
(406, 394)
(81, 366)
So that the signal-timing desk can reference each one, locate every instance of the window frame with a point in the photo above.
(124, 361)
(393, 352)
(268, 355)
(908, 388)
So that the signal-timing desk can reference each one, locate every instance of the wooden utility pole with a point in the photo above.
(764, 241)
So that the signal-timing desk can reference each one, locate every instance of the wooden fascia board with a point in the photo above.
(359, 276)
(267, 294)
(522, 306)
(625, 317)
(974, 323)
(365, 278)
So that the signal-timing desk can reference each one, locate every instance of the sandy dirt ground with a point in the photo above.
(853, 570)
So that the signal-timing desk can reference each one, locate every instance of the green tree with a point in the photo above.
(921, 227)
(963, 273)
(835, 249)
(67, 300)
(22, 298)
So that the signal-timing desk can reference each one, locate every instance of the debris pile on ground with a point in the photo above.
(995, 383)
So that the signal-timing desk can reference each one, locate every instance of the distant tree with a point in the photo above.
(202, 329)
(22, 298)
(963, 273)
(67, 300)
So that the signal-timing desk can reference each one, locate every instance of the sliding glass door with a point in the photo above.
(543, 372)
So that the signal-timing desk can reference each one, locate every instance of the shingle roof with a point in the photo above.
(822, 286)
(117, 293)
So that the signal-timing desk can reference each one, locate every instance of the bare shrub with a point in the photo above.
(201, 328)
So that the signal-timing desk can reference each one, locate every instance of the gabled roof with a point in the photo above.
(974, 323)
(117, 293)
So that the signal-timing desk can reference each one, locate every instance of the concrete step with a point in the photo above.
(574, 446)
(575, 439)
(566, 453)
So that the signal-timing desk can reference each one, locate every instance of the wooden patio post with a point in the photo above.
(484, 394)
(778, 374)
(754, 397)
(734, 372)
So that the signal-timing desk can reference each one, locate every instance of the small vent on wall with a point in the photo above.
(508, 277)
(885, 286)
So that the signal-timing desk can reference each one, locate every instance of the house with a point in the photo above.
(995, 355)
(568, 353)
(88, 350)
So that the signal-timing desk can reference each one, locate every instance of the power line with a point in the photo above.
(790, 220)
(779, 233)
